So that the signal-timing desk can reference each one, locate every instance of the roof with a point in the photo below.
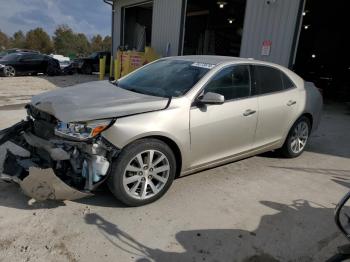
(210, 59)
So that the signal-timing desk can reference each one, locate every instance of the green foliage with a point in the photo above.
(18, 40)
(64, 41)
(107, 43)
(38, 39)
(81, 45)
(96, 43)
(4, 41)
(67, 42)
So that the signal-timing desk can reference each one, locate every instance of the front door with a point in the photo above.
(220, 131)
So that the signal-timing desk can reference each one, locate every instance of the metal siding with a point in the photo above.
(275, 22)
(166, 24)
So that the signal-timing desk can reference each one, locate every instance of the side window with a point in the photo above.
(31, 57)
(268, 79)
(287, 83)
(37, 57)
(26, 57)
(232, 82)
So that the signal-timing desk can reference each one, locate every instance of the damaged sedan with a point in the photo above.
(172, 117)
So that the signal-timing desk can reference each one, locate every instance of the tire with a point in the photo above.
(297, 138)
(52, 69)
(86, 69)
(9, 71)
(137, 185)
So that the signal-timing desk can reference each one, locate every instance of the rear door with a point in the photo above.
(278, 101)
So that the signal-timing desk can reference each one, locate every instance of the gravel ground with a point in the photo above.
(263, 208)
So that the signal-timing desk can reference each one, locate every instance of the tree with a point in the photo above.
(4, 41)
(96, 43)
(64, 40)
(18, 40)
(38, 39)
(81, 44)
(107, 43)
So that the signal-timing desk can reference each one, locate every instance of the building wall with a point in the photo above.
(166, 28)
(276, 22)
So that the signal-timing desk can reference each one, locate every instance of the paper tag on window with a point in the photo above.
(203, 65)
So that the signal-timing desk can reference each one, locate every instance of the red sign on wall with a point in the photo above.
(266, 48)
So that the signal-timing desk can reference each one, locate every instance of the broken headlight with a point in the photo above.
(82, 131)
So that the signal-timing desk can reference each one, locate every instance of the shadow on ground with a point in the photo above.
(294, 232)
(339, 176)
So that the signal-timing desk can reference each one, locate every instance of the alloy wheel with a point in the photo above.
(9, 71)
(146, 174)
(299, 137)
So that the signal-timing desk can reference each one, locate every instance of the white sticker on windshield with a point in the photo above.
(203, 65)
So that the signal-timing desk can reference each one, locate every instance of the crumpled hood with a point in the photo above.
(95, 100)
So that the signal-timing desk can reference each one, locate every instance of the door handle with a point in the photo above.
(291, 102)
(249, 112)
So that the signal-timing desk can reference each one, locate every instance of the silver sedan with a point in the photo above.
(175, 116)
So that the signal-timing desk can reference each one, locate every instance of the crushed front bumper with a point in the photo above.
(41, 175)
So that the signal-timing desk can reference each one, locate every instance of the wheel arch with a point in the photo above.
(308, 116)
(173, 146)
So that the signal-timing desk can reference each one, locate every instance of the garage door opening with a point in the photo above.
(137, 26)
(214, 27)
(323, 54)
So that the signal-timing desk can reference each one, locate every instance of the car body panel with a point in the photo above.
(218, 131)
(95, 100)
(91, 61)
(276, 116)
(171, 123)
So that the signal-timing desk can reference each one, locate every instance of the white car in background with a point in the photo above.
(63, 60)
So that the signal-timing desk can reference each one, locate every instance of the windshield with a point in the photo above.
(11, 57)
(165, 78)
(93, 55)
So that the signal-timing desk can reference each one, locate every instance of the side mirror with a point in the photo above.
(212, 99)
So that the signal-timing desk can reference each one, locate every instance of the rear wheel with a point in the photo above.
(143, 172)
(297, 138)
(9, 71)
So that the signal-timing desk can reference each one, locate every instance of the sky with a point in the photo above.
(84, 16)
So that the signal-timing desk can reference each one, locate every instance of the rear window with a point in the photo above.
(268, 79)
(287, 83)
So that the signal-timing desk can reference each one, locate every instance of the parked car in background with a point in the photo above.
(63, 60)
(28, 63)
(90, 64)
(177, 115)
(16, 50)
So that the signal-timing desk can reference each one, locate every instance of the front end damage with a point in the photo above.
(56, 168)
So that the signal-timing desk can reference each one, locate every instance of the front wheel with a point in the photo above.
(143, 172)
(297, 138)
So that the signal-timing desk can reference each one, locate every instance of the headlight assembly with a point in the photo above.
(82, 131)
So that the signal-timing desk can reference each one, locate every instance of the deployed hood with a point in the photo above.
(95, 100)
